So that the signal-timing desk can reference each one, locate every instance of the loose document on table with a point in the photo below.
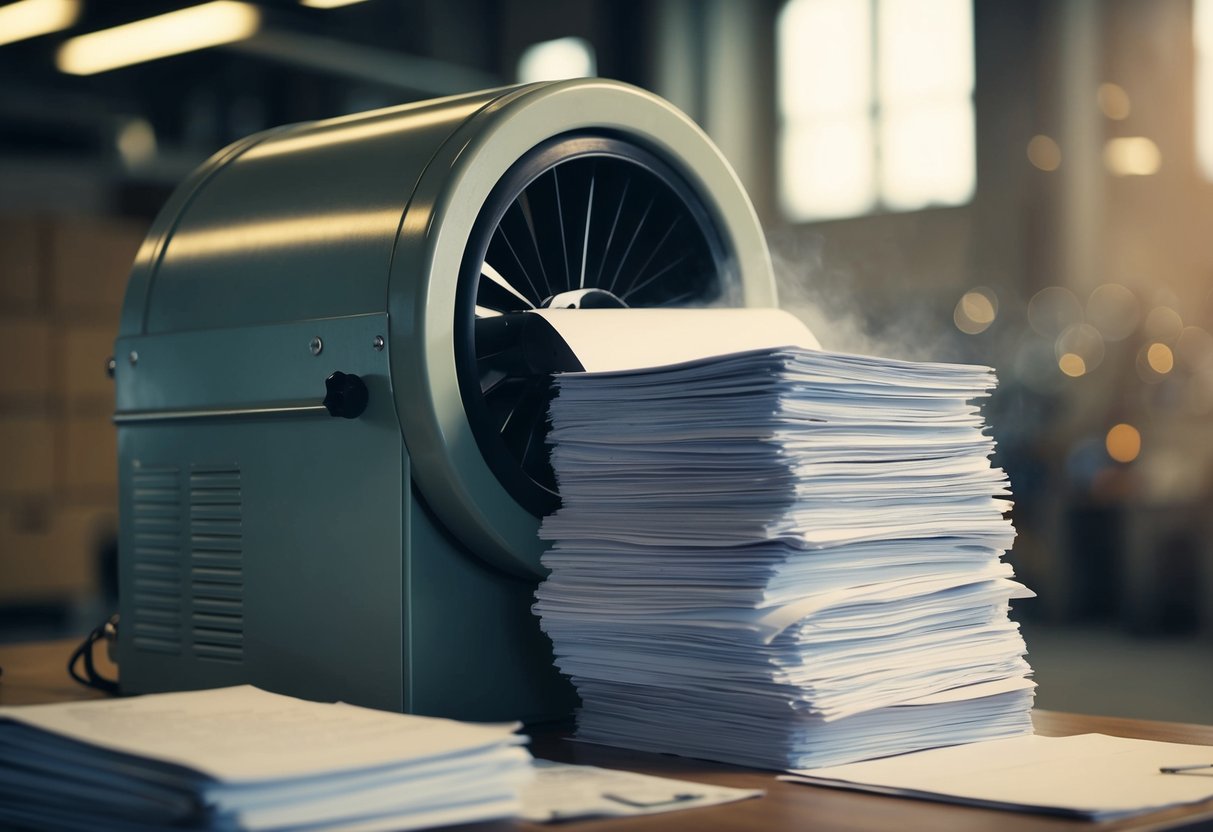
(1088, 776)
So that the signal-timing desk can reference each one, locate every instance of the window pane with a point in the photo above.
(825, 57)
(927, 155)
(1204, 114)
(827, 169)
(1202, 29)
(926, 48)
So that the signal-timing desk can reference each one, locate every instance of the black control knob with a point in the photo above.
(346, 395)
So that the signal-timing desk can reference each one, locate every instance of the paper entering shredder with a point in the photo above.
(330, 413)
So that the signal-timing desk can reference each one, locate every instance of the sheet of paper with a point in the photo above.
(628, 339)
(1090, 775)
(563, 792)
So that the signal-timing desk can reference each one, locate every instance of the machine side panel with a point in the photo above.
(300, 225)
(475, 647)
(260, 548)
(134, 305)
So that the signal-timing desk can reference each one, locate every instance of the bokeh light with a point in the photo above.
(1132, 156)
(1160, 358)
(1044, 153)
(1123, 442)
(1114, 311)
(555, 60)
(1145, 366)
(136, 142)
(976, 310)
(1083, 341)
(1052, 310)
(1072, 365)
(1113, 101)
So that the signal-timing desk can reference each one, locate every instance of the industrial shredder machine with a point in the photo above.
(331, 407)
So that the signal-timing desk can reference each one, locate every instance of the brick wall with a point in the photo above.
(61, 287)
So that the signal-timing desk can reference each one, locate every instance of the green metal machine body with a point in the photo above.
(380, 559)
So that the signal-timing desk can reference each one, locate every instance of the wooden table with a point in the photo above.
(36, 673)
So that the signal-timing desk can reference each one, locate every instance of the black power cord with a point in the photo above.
(92, 678)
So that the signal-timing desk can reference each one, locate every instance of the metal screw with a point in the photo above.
(317, 346)
(110, 366)
(133, 358)
(377, 343)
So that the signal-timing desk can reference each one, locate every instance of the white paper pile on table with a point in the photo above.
(783, 558)
(241, 758)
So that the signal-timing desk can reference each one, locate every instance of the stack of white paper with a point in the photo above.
(241, 758)
(784, 558)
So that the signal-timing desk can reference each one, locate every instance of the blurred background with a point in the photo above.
(1022, 183)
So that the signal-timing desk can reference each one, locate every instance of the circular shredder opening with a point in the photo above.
(578, 212)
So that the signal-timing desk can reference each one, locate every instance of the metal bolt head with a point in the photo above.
(377, 343)
(110, 366)
(316, 346)
(133, 358)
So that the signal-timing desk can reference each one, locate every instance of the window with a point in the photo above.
(1202, 36)
(875, 106)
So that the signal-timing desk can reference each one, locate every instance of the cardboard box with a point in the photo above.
(52, 557)
(25, 374)
(89, 465)
(90, 261)
(27, 448)
(22, 240)
(83, 380)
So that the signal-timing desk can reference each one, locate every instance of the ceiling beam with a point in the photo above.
(426, 76)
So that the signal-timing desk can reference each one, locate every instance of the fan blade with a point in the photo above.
(631, 242)
(496, 281)
(564, 246)
(503, 401)
(523, 203)
(663, 270)
(652, 254)
(585, 243)
(490, 379)
(606, 249)
(505, 238)
(530, 406)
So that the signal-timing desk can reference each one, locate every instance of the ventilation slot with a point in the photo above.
(156, 509)
(216, 564)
